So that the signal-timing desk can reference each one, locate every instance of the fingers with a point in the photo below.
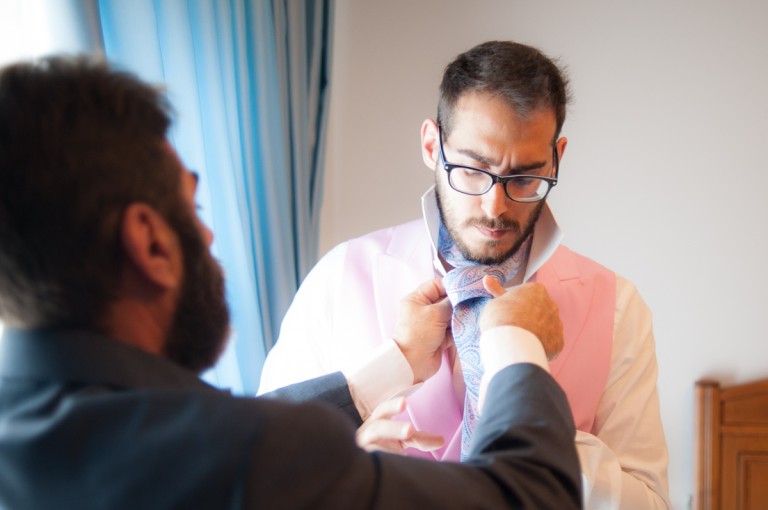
(423, 319)
(384, 434)
(381, 433)
(530, 307)
(431, 291)
(493, 286)
(424, 441)
(388, 408)
(395, 436)
(443, 310)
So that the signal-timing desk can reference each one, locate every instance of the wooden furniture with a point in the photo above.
(731, 446)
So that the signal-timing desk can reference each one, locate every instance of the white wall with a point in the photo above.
(663, 179)
(32, 28)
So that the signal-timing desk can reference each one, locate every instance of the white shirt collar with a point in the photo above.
(546, 234)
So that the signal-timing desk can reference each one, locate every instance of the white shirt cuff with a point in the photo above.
(384, 374)
(507, 345)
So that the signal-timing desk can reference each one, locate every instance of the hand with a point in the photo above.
(527, 306)
(424, 328)
(380, 432)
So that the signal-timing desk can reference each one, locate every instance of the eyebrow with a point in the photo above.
(492, 162)
(196, 176)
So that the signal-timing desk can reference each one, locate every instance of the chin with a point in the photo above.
(486, 255)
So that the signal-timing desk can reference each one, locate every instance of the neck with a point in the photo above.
(138, 325)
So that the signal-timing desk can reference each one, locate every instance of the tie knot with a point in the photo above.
(466, 282)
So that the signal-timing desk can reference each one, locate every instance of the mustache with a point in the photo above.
(494, 223)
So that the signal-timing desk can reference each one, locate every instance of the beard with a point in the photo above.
(200, 326)
(491, 256)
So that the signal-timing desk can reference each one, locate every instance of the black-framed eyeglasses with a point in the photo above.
(518, 187)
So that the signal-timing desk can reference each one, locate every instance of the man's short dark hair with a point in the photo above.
(527, 79)
(79, 141)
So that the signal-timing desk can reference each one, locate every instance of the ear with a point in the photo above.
(561, 143)
(429, 143)
(151, 245)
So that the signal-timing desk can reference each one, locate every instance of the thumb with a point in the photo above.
(493, 286)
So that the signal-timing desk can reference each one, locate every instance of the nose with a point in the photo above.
(494, 202)
(206, 232)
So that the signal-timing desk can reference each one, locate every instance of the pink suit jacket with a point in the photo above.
(382, 267)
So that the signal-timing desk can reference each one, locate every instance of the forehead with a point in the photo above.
(187, 178)
(489, 115)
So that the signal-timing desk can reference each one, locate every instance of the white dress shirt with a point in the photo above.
(624, 460)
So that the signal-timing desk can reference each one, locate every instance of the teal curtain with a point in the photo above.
(249, 82)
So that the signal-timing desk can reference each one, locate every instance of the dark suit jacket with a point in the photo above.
(87, 422)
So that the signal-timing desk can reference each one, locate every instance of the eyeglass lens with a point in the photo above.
(473, 182)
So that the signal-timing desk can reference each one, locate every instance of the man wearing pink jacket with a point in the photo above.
(496, 149)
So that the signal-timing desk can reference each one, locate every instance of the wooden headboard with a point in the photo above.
(731, 446)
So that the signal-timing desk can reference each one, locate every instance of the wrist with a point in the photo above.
(506, 345)
(383, 374)
(411, 358)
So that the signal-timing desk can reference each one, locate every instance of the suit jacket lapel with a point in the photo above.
(405, 265)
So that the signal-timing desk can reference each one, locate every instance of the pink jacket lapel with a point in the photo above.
(406, 264)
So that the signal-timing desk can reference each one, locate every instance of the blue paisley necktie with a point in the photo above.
(464, 285)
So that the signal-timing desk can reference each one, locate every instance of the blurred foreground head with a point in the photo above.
(79, 143)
